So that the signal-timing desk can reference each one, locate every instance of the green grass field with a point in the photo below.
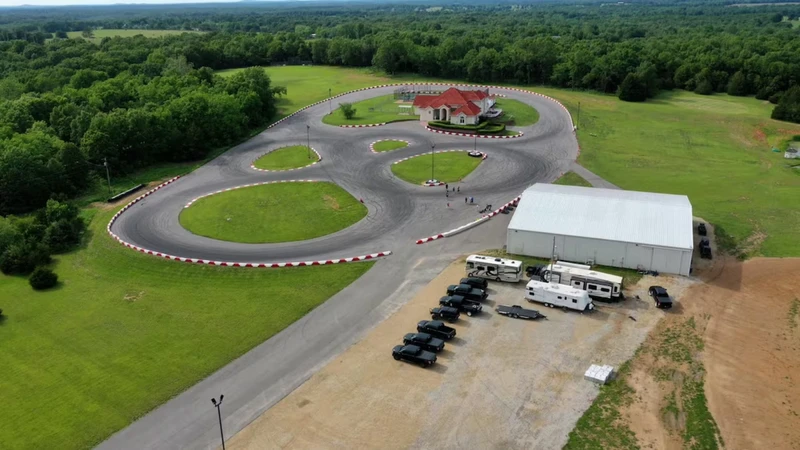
(572, 179)
(448, 167)
(516, 113)
(287, 158)
(386, 146)
(381, 109)
(125, 332)
(100, 34)
(270, 213)
(715, 149)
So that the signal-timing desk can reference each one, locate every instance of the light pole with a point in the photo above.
(579, 116)
(308, 140)
(108, 177)
(330, 102)
(219, 415)
(475, 145)
(432, 153)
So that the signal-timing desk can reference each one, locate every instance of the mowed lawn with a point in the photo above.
(125, 332)
(309, 84)
(286, 158)
(715, 149)
(382, 109)
(516, 113)
(389, 145)
(572, 179)
(100, 34)
(448, 167)
(281, 212)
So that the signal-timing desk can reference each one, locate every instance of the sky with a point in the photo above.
(102, 2)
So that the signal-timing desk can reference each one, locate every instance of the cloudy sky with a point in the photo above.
(100, 2)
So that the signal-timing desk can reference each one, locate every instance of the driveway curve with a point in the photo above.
(399, 214)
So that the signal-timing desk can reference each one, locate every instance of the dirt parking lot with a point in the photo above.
(502, 383)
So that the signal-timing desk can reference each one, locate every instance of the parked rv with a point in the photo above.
(558, 295)
(492, 268)
(579, 276)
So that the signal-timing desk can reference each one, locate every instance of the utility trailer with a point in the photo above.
(518, 312)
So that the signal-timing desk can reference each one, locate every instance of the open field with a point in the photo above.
(501, 383)
(124, 332)
(516, 113)
(447, 167)
(282, 212)
(286, 158)
(100, 34)
(572, 179)
(715, 149)
(383, 109)
(386, 146)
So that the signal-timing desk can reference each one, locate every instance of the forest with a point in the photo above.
(69, 108)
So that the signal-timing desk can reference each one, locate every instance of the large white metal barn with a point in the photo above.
(604, 226)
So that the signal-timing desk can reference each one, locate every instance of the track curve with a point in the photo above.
(398, 213)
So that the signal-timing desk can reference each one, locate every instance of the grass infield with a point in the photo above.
(385, 146)
(381, 109)
(282, 212)
(516, 113)
(287, 158)
(448, 167)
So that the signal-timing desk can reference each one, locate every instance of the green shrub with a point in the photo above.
(481, 128)
(43, 278)
(347, 110)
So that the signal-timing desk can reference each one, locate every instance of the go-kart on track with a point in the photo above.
(399, 214)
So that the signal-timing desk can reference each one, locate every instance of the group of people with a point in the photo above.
(470, 200)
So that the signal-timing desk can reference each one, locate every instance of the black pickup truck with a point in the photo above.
(467, 291)
(436, 328)
(413, 354)
(445, 313)
(458, 302)
(518, 312)
(425, 341)
(475, 282)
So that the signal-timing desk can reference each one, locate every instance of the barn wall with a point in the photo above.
(607, 253)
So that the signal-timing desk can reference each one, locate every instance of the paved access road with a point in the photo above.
(399, 213)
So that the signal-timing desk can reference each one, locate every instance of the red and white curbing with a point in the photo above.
(192, 201)
(481, 136)
(253, 165)
(476, 222)
(372, 148)
(208, 262)
(572, 124)
(363, 126)
(429, 239)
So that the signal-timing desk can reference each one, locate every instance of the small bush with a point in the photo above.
(347, 110)
(43, 278)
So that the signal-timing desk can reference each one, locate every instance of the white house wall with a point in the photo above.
(607, 253)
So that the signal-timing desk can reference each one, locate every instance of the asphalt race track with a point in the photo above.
(399, 214)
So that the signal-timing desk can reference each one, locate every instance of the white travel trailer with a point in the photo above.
(558, 295)
(493, 268)
(597, 284)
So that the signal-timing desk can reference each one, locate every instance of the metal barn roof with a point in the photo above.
(662, 220)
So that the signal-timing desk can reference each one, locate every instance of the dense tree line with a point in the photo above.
(69, 106)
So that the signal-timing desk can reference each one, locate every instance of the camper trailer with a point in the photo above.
(558, 296)
(597, 284)
(492, 268)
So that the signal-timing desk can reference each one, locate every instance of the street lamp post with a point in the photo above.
(475, 145)
(218, 404)
(432, 153)
(330, 101)
(308, 140)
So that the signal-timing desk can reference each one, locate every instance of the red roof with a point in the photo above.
(470, 109)
(453, 99)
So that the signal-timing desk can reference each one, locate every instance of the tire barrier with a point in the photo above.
(253, 164)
